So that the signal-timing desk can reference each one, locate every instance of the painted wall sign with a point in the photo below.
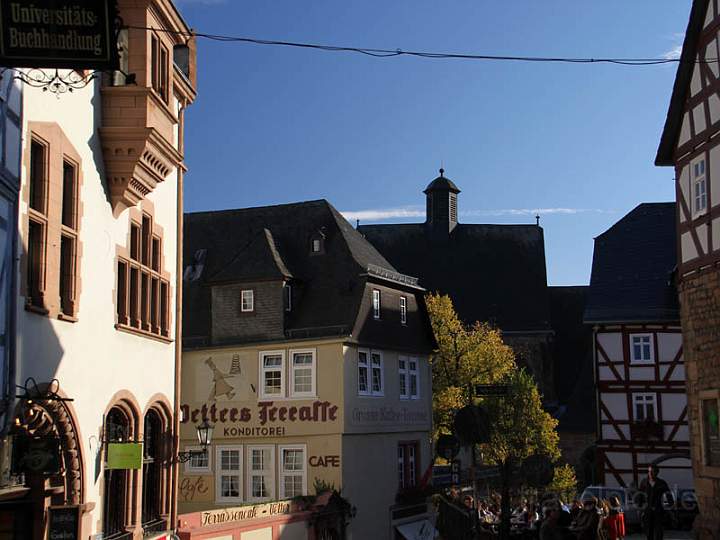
(266, 412)
(244, 513)
(124, 456)
(387, 415)
(73, 34)
(324, 461)
(64, 522)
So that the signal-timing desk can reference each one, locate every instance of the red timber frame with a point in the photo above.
(618, 382)
(699, 145)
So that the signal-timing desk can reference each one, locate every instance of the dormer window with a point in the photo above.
(403, 310)
(287, 291)
(317, 242)
(247, 301)
(376, 304)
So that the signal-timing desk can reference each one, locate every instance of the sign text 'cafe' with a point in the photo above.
(267, 411)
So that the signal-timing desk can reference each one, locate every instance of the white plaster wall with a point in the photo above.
(695, 84)
(642, 373)
(261, 534)
(684, 130)
(612, 344)
(709, 15)
(684, 184)
(668, 346)
(699, 118)
(714, 171)
(672, 406)
(90, 358)
(688, 247)
(714, 104)
(294, 531)
(711, 56)
(620, 460)
(616, 405)
(606, 374)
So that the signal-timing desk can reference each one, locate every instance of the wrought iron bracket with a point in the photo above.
(184, 457)
(58, 81)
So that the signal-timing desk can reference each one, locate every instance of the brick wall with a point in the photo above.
(229, 324)
(700, 313)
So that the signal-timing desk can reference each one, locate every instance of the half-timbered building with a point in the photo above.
(690, 144)
(638, 350)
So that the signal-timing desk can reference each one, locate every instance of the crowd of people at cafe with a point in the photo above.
(548, 519)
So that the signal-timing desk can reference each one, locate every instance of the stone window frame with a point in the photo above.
(706, 469)
(58, 150)
(145, 264)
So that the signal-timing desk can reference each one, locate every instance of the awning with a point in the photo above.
(417, 530)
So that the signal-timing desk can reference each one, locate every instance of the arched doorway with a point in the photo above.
(47, 456)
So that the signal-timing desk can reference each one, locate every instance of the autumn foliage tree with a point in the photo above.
(519, 427)
(466, 356)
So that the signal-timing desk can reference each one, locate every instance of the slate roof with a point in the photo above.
(673, 122)
(632, 269)
(493, 273)
(572, 357)
(273, 242)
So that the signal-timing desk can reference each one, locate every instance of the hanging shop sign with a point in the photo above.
(124, 456)
(35, 455)
(64, 522)
(73, 34)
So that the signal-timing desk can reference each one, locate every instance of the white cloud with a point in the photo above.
(674, 53)
(382, 214)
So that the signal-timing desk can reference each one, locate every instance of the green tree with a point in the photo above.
(466, 356)
(520, 428)
(564, 482)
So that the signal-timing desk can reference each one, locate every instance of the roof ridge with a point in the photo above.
(251, 208)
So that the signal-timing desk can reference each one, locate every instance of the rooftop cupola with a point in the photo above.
(441, 213)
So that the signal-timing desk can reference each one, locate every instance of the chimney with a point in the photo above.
(441, 207)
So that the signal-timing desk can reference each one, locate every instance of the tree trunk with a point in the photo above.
(505, 502)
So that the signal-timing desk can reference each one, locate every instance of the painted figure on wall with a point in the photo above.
(220, 386)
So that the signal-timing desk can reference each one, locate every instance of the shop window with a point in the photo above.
(152, 472)
(293, 471)
(710, 432)
(228, 475)
(116, 481)
(407, 458)
(199, 462)
(302, 371)
(261, 477)
(143, 291)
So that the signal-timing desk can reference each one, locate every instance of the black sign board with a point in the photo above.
(73, 34)
(492, 390)
(64, 523)
(35, 455)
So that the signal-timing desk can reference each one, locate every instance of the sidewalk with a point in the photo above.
(669, 535)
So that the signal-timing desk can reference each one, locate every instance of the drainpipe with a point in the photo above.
(178, 330)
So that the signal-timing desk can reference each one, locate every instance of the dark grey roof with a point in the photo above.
(273, 242)
(673, 122)
(632, 270)
(493, 273)
(442, 184)
(572, 359)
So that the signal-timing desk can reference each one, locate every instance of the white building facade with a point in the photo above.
(100, 207)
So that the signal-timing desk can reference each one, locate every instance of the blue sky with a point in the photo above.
(273, 125)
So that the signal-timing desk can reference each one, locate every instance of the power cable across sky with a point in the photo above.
(389, 53)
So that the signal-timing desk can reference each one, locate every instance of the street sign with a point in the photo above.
(447, 447)
(73, 34)
(492, 390)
